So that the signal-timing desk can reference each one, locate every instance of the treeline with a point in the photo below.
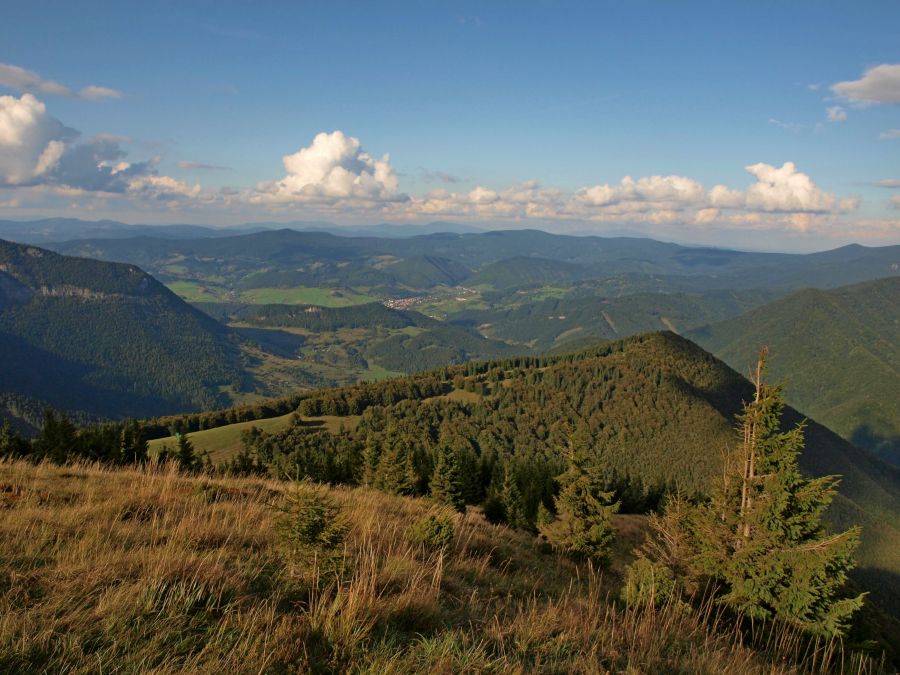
(60, 441)
(324, 319)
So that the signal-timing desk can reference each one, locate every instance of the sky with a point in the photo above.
(762, 125)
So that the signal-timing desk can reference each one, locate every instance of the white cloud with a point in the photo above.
(889, 135)
(29, 139)
(895, 202)
(94, 93)
(38, 151)
(706, 216)
(836, 114)
(163, 188)
(879, 84)
(650, 190)
(888, 183)
(334, 168)
(482, 195)
(28, 81)
(785, 189)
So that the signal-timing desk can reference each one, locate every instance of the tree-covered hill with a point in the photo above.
(837, 351)
(106, 339)
(552, 322)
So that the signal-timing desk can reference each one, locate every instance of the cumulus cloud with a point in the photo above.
(648, 190)
(28, 81)
(879, 84)
(332, 169)
(31, 141)
(37, 150)
(836, 114)
(889, 135)
(785, 189)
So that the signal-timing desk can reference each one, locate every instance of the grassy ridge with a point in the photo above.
(146, 570)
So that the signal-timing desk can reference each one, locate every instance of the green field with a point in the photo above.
(304, 295)
(223, 443)
(376, 373)
(197, 292)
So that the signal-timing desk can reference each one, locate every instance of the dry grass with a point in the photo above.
(148, 571)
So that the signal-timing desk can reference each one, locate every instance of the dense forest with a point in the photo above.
(838, 352)
(123, 344)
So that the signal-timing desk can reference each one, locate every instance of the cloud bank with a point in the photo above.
(334, 176)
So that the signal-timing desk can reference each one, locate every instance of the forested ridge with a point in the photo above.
(123, 344)
(838, 352)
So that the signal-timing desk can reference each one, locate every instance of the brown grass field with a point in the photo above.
(148, 571)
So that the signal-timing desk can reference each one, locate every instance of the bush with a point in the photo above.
(312, 519)
(647, 584)
(434, 532)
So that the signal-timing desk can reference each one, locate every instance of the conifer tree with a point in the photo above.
(394, 471)
(58, 438)
(184, 455)
(584, 509)
(370, 457)
(762, 536)
(513, 503)
(134, 446)
(11, 444)
(445, 481)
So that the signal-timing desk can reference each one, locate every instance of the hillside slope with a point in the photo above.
(146, 570)
(106, 339)
(657, 409)
(837, 351)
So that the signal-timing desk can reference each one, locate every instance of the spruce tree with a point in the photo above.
(762, 536)
(583, 526)
(184, 455)
(134, 446)
(445, 481)
(58, 438)
(370, 456)
(513, 503)
(11, 444)
(394, 471)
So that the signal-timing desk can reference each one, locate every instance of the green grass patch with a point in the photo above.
(223, 443)
(195, 292)
(304, 295)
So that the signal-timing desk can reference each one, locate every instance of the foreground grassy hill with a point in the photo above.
(149, 571)
(838, 352)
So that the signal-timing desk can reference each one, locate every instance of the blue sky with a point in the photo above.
(514, 114)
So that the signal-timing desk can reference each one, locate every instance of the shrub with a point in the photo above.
(647, 584)
(312, 519)
(434, 532)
